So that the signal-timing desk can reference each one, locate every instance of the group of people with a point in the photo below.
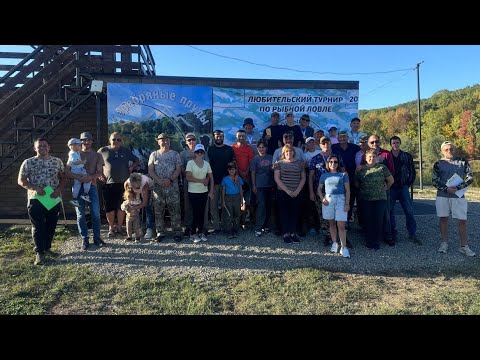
(290, 171)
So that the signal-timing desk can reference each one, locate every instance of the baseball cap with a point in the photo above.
(289, 113)
(86, 135)
(306, 117)
(309, 138)
(163, 136)
(275, 114)
(363, 139)
(190, 135)
(248, 121)
(199, 147)
(74, 141)
(343, 132)
(319, 130)
(332, 128)
(445, 143)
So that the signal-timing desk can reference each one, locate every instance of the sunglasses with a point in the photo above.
(375, 142)
(115, 139)
(333, 162)
(191, 139)
(199, 152)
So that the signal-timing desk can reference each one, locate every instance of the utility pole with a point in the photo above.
(419, 127)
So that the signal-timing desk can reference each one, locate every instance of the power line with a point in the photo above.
(388, 82)
(296, 70)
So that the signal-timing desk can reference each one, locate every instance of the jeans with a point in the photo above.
(94, 213)
(44, 223)
(264, 206)
(402, 195)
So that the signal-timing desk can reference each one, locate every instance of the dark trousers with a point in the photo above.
(232, 212)
(403, 196)
(44, 223)
(387, 227)
(304, 203)
(264, 206)
(288, 208)
(198, 202)
(353, 195)
(374, 210)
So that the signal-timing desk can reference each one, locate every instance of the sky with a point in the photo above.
(444, 67)
(386, 73)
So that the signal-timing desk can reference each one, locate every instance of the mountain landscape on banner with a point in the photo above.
(446, 115)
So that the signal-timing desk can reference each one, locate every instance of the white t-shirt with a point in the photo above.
(74, 156)
(198, 173)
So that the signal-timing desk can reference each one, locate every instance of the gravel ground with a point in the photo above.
(248, 254)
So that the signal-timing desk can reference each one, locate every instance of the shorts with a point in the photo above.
(335, 210)
(113, 196)
(457, 206)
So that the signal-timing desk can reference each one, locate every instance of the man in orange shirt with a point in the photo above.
(243, 155)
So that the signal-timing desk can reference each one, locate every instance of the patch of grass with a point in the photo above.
(73, 289)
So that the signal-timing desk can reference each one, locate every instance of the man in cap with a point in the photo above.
(310, 211)
(94, 169)
(185, 156)
(273, 134)
(451, 194)
(164, 167)
(251, 136)
(116, 170)
(347, 152)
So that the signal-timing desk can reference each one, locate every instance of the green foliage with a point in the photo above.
(452, 115)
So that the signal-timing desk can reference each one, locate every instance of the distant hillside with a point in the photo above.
(447, 115)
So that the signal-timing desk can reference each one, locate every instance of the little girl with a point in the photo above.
(232, 195)
(133, 218)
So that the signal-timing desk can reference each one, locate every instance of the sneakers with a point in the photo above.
(258, 233)
(99, 243)
(195, 238)
(266, 229)
(344, 252)
(334, 248)
(129, 239)
(85, 245)
(178, 237)
(51, 253)
(466, 250)
(39, 259)
(138, 240)
(149, 234)
(415, 239)
(74, 203)
(287, 239)
(443, 247)
(203, 237)
(160, 236)
(85, 197)
(294, 238)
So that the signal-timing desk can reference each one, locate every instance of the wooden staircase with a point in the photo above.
(48, 87)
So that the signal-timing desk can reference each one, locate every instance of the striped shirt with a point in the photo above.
(290, 173)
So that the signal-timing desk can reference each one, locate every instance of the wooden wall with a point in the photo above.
(14, 197)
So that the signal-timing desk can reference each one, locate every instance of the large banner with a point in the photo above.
(142, 111)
